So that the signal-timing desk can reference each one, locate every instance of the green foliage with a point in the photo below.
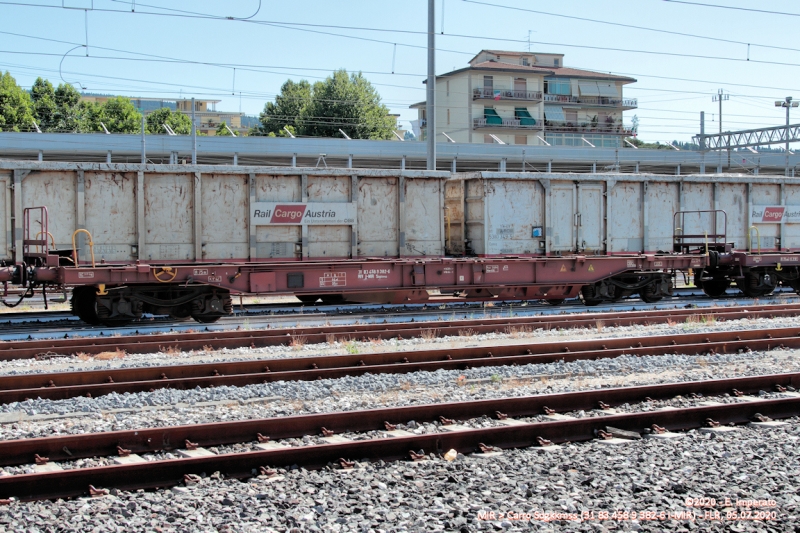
(121, 116)
(118, 114)
(222, 131)
(16, 108)
(90, 115)
(43, 98)
(180, 123)
(351, 347)
(67, 108)
(289, 105)
(282, 132)
(346, 101)
(350, 103)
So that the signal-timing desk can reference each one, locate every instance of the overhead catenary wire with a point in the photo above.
(750, 9)
(301, 68)
(367, 39)
(632, 26)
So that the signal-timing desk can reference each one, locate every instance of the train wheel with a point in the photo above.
(754, 286)
(557, 301)
(589, 296)
(206, 319)
(648, 294)
(103, 315)
(84, 305)
(716, 287)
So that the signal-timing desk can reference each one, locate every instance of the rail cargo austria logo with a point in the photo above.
(265, 213)
(288, 214)
(768, 214)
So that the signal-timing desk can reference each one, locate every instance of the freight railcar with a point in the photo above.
(181, 239)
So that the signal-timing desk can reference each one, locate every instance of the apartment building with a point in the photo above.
(528, 98)
(206, 114)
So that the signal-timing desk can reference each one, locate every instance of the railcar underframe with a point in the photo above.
(113, 294)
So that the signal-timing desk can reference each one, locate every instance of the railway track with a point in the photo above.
(187, 341)
(54, 324)
(62, 385)
(514, 428)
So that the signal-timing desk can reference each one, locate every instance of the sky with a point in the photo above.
(242, 51)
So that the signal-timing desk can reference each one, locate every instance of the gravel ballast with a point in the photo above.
(643, 475)
(577, 487)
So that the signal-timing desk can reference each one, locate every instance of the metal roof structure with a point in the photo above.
(342, 153)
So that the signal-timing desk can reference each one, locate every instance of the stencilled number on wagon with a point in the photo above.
(374, 273)
(201, 272)
(631, 264)
(492, 269)
(333, 279)
(85, 275)
(215, 279)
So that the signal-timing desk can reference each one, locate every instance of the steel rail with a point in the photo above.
(75, 482)
(318, 334)
(70, 447)
(62, 385)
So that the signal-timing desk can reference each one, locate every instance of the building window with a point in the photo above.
(448, 117)
(520, 139)
(571, 116)
(524, 61)
(556, 62)
(558, 86)
(488, 82)
(487, 139)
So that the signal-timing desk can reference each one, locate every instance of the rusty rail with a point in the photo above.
(62, 385)
(318, 334)
(75, 482)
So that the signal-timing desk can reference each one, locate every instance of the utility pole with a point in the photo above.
(430, 105)
(788, 104)
(720, 97)
(702, 142)
(194, 136)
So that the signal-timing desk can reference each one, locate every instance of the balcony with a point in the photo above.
(512, 123)
(492, 93)
(607, 129)
(594, 101)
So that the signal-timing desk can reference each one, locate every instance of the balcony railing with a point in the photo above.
(608, 129)
(507, 123)
(505, 94)
(591, 100)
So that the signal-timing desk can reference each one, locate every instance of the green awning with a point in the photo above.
(525, 118)
(492, 117)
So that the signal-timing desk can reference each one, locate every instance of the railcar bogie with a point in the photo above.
(115, 306)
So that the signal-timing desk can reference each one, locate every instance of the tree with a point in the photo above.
(16, 110)
(288, 107)
(43, 98)
(222, 131)
(284, 132)
(67, 108)
(90, 115)
(348, 102)
(121, 116)
(179, 122)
